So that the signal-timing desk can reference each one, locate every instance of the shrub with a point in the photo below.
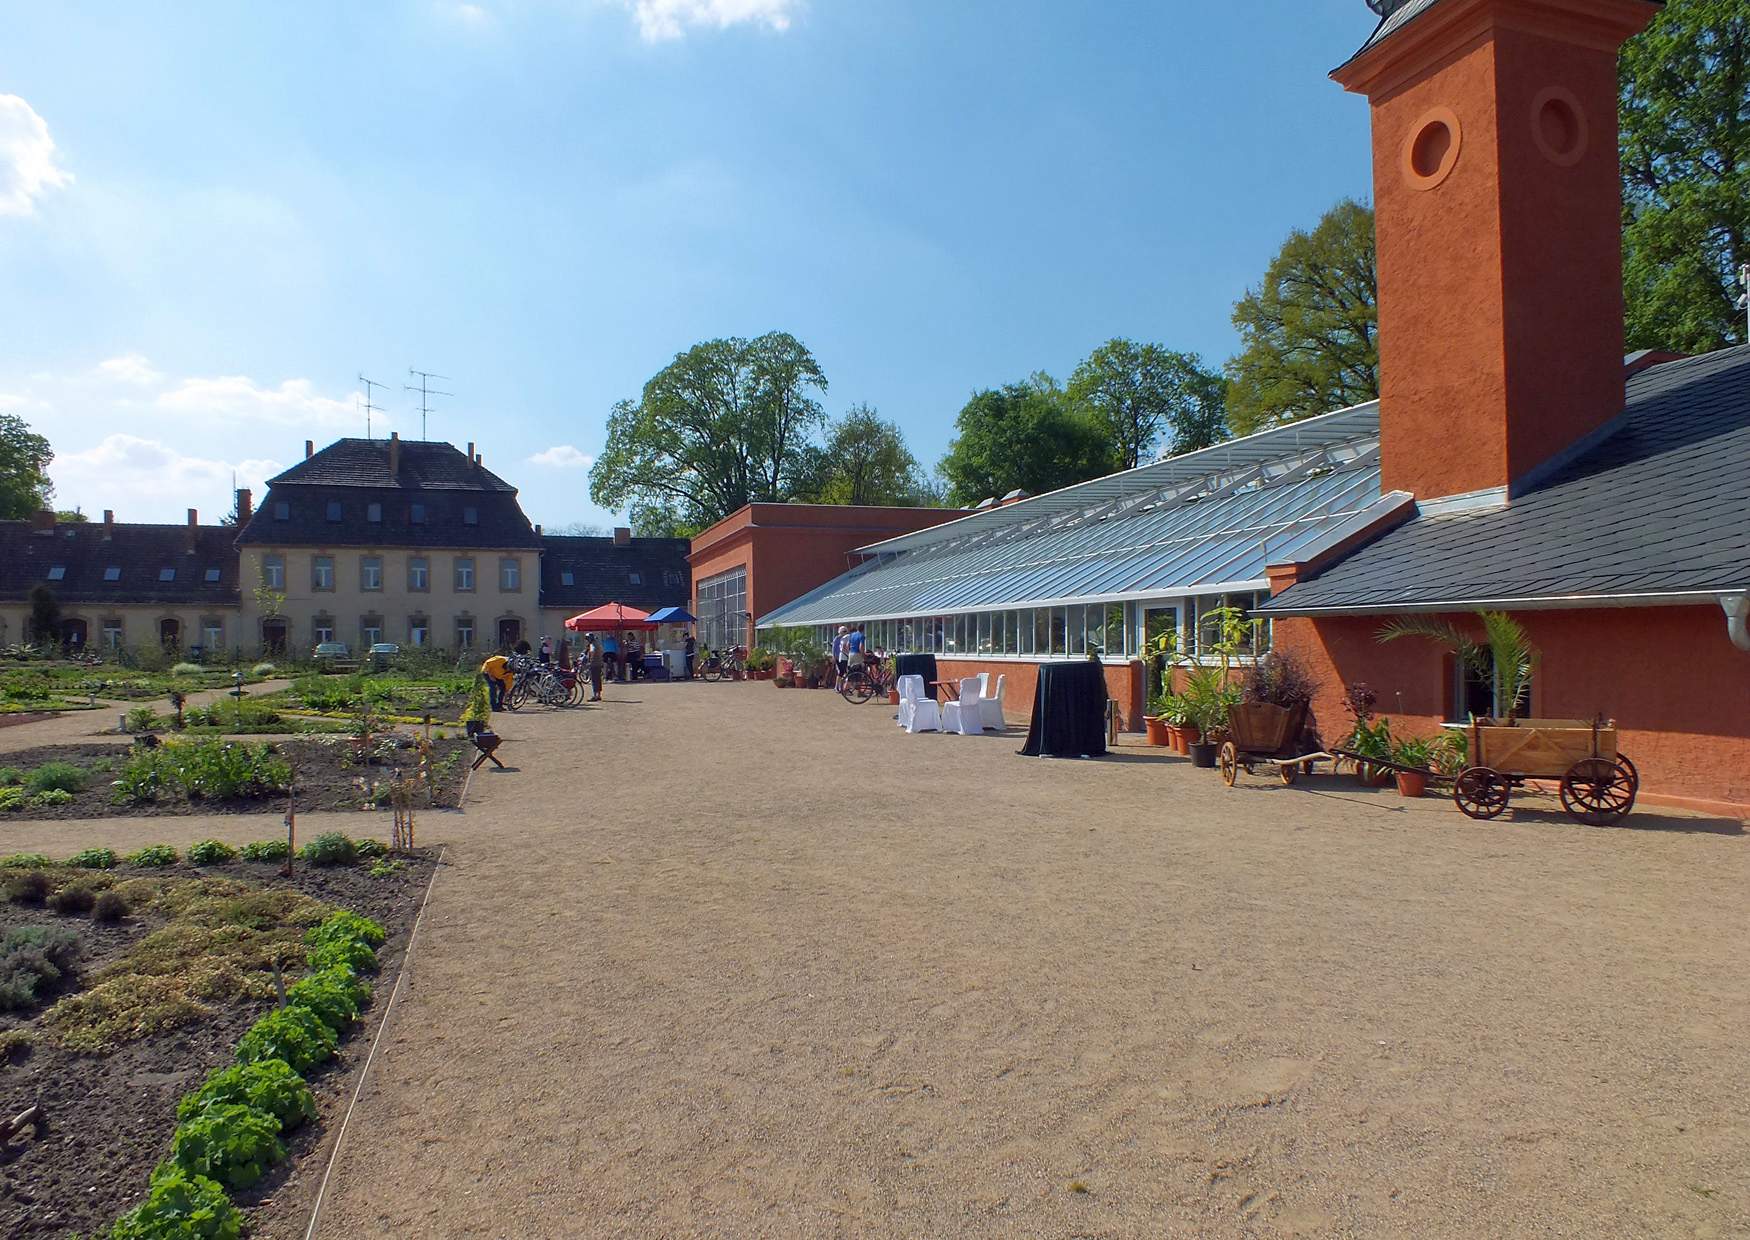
(262, 669)
(29, 887)
(57, 777)
(93, 859)
(269, 1086)
(330, 848)
(211, 852)
(141, 719)
(207, 769)
(10, 777)
(181, 1206)
(48, 797)
(266, 850)
(147, 774)
(23, 861)
(73, 898)
(186, 669)
(153, 855)
(370, 850)
(294, 1034)
(13, 1044)
(230, 1143)
(109, 907)
(31, 957)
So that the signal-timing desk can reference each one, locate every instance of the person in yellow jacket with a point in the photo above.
(499, 679)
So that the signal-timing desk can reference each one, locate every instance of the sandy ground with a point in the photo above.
(724, 960)
(98, 726)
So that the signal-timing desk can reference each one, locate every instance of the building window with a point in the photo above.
(370, 630)
(322, 629)
(470, 515)
(374, 513)
(416, 514)
(273, 572)
(723, 609)
(113, 573)
(212, 575)
(636, 579)
(567, 577)
(57, 572)
(334, 510)
(370, 572)
(418, 631)
(322, 572)
(510, 575)
(167, 574)
(418, 574)
(112, 634)
(465, 573)
(464, 634)
(212, 633)
(282, 511)
(670, 577)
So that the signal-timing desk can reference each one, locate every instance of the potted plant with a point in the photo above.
(1417, 752)
(1505, 656)
(1155, 721)
(1372, 739)
(477, 714)
(1207, 696)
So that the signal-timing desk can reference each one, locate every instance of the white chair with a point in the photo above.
(917, 713)
(965, 715)
(992, 706)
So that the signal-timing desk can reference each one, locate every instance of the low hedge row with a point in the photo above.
(228, 1131)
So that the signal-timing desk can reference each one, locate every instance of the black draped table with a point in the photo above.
(1069, 711)
(916, 665)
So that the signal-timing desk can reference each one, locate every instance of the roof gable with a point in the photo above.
(422, 465)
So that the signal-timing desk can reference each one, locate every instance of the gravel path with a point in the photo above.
(92, 727)
(729, 961)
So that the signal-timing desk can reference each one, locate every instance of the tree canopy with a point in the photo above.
(1686, 175)
(1029, 435)
(1309, 333)
(866, 462)
(24, 461)
(1144, 393)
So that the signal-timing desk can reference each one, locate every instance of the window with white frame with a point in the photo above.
(322, 629)
(370, 630)
(212, 633)
(510, 575)
(464, 633)
(273, 572)
(418, 574)
(370, 572)
(322, 572)
(465, 573)
(112, 634)
(418, 631)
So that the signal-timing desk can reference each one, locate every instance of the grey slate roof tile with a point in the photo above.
(86, 551)
(601, 572)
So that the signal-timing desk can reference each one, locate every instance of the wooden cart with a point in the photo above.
(1261, 733)
(1597, 783)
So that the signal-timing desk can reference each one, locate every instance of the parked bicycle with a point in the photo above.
(866, 680)
(714, 666)
(538, 682)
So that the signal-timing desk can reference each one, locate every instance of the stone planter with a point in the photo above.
(1159, 733)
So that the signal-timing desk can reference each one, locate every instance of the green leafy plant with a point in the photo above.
(23, 861)
(142, 719)
(1413, 751)
(181, 1206)
(32, 957)
(1505, 654)
(262, 670)
(10, 777)
(266, 850)
(384, 867)
(153, 855)
(345, 925)
(186, 669)
(229, 1143)
(206, 769)
(294, 1034)
(11, 798)
(369, 849)
(47, 798)
(335, 994)
(211, 852)
(330, 848)
(56, 777)
(269, 1086)
(479, 707)
(93, 859)
(1372, 739)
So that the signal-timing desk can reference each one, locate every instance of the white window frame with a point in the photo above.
(463, 574)
(322, 574)
(371, 574)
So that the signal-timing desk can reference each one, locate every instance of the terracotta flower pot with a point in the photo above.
(1189, 735)
(893, 697)
(1411, 783)
(1158, 733)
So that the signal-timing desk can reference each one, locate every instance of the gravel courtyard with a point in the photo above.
(726, 961)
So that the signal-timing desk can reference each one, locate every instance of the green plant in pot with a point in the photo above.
(477, 714)
(1372, 739)
(1417, 752)
(1505, 656)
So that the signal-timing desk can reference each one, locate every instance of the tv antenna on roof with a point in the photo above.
(426, 392)
(1744, 301)
(369, 407)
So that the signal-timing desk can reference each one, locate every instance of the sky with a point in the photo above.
(214, 217)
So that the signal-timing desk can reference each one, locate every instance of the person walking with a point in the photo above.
(692, 650)
(839, 657)
(593, 648)
(854, 642)
(499, 679)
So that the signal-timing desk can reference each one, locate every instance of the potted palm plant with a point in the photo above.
(1412, 751)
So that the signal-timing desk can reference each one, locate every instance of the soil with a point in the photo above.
(324, 782)
(110, 1117)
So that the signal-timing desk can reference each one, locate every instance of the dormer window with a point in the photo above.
(212, 574)
(167, 574)
(113, 573)
(282, 511)
(567, 577)
(470, 515)
(57, 572)
(636, 579)
(416, 514)
(334, 510)
(374, 513)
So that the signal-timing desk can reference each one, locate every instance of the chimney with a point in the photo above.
(394, 454)
(309, 448)
(43, 521)
(537, 529)
(470, 452)
(194, 525)
(245, 506)
(108, 523)
(1498, 205)
(622, 536)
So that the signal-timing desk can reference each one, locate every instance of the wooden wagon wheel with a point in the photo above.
(1598, 790)
(1634, 773)
(1481, 792)
(1229, 762)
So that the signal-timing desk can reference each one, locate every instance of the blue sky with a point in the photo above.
(214, 216)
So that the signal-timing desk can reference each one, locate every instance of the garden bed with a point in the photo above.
(327, 777)
(111, 1115)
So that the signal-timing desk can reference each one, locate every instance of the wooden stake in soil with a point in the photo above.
(291, 825)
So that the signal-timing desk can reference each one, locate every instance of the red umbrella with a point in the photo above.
(610, 616)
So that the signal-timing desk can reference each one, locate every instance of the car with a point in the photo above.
(330, 650)
(387, 650)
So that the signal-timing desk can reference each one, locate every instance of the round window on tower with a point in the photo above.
(1558, 126)
(1431, 149)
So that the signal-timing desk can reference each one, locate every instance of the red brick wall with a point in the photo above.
(1124, 684)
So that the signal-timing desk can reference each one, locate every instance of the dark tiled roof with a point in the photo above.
(140, 552)
(602, 572)
(1393, 22)
(498, 518)
(1657, 508)
(365, 463)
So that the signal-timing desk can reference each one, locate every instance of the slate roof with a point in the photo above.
(1656, 508)
(1394, 22)
(601, 572)
(424, 466)
(139, 552)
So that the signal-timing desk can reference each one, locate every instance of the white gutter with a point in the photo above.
(1737, 608)
(1680, 598)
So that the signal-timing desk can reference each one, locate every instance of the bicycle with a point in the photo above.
(864, 681)
(715, 667)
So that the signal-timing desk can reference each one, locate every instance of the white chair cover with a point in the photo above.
(992, 706)
(917, 713)
(965, 716)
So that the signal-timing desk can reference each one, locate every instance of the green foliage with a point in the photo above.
(866, 462)
(181, 1206)
(32, 957)
(1372, 739)
(211, 852)
(335, 994)
(479, 707)
(1412, 751)
(294, 1034)
(262, 670)
(23, 861)
(1685, 140)
(344, 925)
(109, 907)
(208, 769)
(726, 423)
(1309, 334)
(1144, 393)
(73, 898)
(153, 855)
(24, 463)
(268, 1085)
(10, 777)
(142, 719)
(44, 622)
(330, 848)
(56, 777)
(186, 669)
(52, 796)
(266, 850)
(11, 798)
(1506, 654)
(1029, 435)
(231, 1144)
(93, 859)
(369, 849)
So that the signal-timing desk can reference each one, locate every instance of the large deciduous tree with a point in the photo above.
(1144, 394)
(866, 462)
(728, 422)
(1686, 175)
(1029, 435)
(1310, 333)
(24, 461)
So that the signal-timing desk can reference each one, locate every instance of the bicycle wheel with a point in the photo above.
(713, 670)
(518, 695)
(858, 688)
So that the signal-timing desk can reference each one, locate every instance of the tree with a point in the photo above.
(866, 462)
(73, 516)
(1310, 332)
(1029, 435)
(581, 529)
(1141, 391)
(1686, 175)
(45, 616)
(24, 460)
(726, 423)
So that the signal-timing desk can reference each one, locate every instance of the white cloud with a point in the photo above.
(669, 19)
(469, 14)
(131, 368)
(27, 158)
(146, 480)
(294, 402)
(563, 456)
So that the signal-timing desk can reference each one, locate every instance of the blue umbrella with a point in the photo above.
(673, 615)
